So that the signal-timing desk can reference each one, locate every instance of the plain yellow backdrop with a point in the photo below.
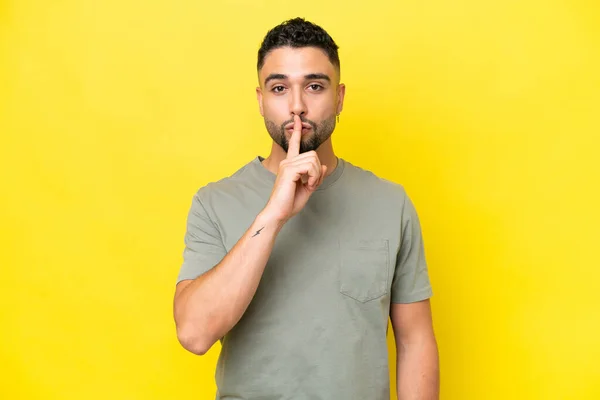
(113, 113)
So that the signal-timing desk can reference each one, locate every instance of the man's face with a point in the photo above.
(299, 81)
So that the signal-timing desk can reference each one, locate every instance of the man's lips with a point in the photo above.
(305, 125)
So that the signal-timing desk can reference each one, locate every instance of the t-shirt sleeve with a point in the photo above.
(203, 245)
(411, 278)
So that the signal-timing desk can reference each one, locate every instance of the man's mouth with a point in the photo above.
(305, 126)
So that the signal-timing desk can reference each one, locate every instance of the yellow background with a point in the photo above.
(113, 113)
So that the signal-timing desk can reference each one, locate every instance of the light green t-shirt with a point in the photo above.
(317, 325)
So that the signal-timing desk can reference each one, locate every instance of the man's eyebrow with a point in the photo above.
(307, 77)
(275, 76)
(318, 76)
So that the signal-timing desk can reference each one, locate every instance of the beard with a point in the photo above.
(320, 133)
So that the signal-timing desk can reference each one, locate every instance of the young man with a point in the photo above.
(296, 261)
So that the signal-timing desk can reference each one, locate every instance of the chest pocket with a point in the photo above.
(364, 268)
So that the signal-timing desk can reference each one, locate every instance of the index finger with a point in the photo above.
(294, 143)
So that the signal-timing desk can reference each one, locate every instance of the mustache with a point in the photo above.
(291, 121)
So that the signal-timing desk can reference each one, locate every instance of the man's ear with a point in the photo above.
(341, 92)
(259, 97)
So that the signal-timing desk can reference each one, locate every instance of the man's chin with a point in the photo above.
(305, 146)
(303, 149)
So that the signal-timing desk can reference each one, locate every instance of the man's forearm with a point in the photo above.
(209, 306)
(417, 372)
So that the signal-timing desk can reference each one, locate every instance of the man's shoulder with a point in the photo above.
(229, 184)
(372, 183)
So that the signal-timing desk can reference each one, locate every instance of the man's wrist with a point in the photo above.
(268, 218)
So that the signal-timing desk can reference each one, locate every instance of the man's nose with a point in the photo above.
(298, 105)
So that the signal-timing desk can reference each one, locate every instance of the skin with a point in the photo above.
(296, 86)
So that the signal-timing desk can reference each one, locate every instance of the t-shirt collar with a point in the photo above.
(327, 182)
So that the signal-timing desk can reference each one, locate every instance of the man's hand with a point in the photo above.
(298, 177)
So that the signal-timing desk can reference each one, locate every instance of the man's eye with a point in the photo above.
(315, 87)
(278, 89)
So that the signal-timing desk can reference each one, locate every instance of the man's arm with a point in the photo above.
(417, 360)
(206, 308)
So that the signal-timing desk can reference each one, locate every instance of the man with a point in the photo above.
(296, 261)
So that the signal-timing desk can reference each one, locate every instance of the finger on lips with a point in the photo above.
(294, 143)
(315, 172)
